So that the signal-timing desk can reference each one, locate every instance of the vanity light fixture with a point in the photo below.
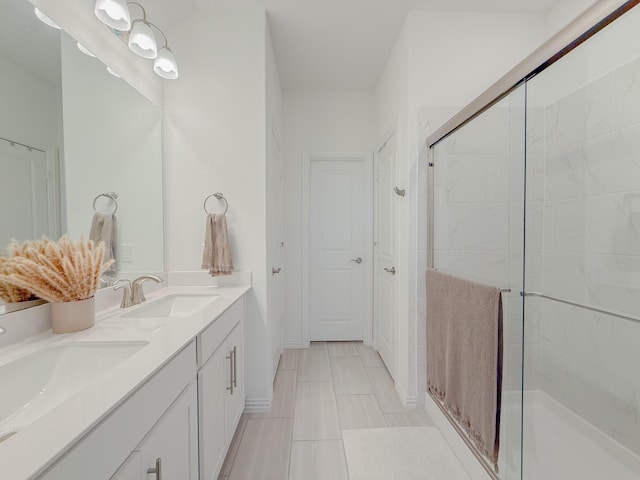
(84, 49)
(44, 19)
(114, 13)
(141, 39)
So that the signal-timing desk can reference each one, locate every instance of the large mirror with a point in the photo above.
(80, 149)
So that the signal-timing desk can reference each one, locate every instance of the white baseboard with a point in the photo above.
(408, 401)
(257, 405)
(294, 344)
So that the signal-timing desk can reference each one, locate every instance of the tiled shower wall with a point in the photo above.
(590, 140)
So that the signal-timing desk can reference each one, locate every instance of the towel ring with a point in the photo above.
(219, 196)
(112, 195)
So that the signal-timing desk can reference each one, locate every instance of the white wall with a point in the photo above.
(215, 141)
(315, 122)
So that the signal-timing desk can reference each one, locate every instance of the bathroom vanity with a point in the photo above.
(167, 410)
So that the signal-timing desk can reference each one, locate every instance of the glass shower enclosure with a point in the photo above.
(538, 194)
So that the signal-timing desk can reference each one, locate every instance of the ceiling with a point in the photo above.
(320, 45)
(336, 45)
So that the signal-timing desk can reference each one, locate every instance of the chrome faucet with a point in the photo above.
(126, 294)
(137, 293)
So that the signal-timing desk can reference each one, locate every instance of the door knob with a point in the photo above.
(275, 270)
(357, 260)
(391, 270)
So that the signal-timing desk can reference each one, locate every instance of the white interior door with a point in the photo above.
(385, 254)
(338, 235)
(24, 180)
(276, 248)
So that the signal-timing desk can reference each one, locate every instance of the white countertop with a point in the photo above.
(35, 447)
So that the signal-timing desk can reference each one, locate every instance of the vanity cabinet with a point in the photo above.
(221, 394)
(177, 425)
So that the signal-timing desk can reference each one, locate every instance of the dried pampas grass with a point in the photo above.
(61, 271)
(9, 292)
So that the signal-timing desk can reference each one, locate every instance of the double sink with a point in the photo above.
(38, 382)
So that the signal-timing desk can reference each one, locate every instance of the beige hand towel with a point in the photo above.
(104, 228)
(217, 249)
(464, 355)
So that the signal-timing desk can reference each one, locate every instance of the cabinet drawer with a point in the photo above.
(211, 338)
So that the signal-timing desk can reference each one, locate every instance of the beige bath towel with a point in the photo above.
(464, 355)
(217, 250)
(104, 228)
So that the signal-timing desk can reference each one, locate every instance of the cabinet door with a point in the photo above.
(172, 444)
(211, 396)
(234, 399)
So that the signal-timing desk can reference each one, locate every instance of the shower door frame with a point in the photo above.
(583, 27)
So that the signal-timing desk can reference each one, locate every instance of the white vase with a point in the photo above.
(67, 317)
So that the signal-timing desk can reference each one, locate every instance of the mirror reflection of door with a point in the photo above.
(29, 181)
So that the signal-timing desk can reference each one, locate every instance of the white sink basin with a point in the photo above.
(173, 306)
(35, 384)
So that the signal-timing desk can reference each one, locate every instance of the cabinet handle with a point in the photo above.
(230, 358)
(157, 470)
(235, 369)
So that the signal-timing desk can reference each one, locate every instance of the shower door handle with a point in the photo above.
(391, 270)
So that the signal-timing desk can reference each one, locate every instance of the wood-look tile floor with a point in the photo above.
(318, 392)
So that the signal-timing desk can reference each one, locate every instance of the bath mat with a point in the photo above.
(406, 453)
